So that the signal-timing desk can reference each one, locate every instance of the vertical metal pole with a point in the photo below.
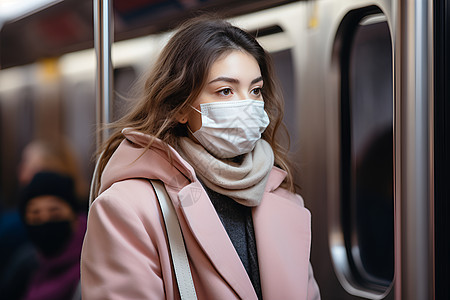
(103, 36)
(414, 151)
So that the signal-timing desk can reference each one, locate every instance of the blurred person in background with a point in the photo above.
(18, 258)
(14, 246)
(51, 215)
(50, 155)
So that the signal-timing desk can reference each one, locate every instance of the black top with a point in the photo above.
(237, 221)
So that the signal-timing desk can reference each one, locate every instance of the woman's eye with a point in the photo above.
(225, 92)
(256, 91)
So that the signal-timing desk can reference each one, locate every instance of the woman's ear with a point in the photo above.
(182, 117)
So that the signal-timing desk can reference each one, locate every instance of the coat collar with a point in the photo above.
(134, 158)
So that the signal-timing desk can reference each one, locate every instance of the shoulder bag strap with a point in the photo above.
(176, 243)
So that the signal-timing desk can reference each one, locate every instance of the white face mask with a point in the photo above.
(231, 128)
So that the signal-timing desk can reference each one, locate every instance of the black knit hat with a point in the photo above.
(49, 183)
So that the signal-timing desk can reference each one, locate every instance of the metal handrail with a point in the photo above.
(103, 37)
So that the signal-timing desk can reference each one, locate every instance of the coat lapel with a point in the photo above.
(283, 237)
(209, 232)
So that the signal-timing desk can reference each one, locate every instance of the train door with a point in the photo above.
(350, 155)
(372, 152)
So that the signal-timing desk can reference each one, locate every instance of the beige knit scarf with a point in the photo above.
(242, 178)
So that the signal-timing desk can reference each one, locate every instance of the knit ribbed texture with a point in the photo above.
(243, 178)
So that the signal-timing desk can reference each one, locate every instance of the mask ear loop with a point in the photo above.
(187, 125)
(196, 110)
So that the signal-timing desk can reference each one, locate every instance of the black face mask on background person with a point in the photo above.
(50, 238)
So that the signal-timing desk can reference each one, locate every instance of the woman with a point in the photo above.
(205, 126)
(56, 228)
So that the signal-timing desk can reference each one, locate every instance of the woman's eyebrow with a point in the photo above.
(234, 80)
(223, 78)
(258, 79)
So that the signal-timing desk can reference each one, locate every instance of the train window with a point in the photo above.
(284, 71)
(371, 153)
(367, 166)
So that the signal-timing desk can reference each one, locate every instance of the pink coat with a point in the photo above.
(125, 252)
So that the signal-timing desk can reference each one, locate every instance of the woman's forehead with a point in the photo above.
(235, 64)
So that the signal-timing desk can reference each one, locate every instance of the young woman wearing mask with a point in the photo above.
(205, 126)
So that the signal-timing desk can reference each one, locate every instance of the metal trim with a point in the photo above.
(414, 155)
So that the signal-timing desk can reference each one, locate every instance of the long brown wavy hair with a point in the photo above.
(178, 77)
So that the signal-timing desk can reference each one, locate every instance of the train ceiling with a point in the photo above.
(67, 26)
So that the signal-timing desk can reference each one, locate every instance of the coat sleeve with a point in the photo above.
(313, 288)
(120, 256)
